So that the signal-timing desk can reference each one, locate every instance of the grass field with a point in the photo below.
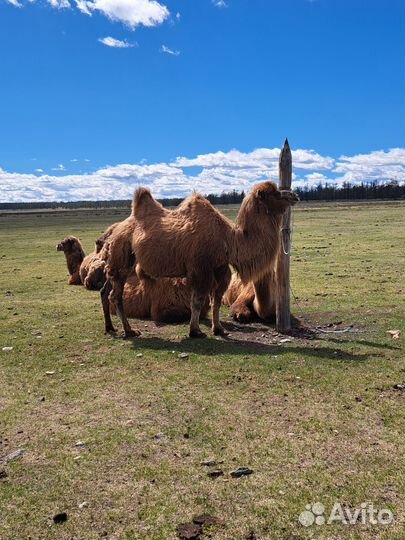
(318, 420)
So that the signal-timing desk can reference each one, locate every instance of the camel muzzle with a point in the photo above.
(59, 247)
(289, 195)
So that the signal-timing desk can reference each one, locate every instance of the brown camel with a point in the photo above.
(253, 299)
(74, 254)
(163, 300)
(197, 242)
(83, 269)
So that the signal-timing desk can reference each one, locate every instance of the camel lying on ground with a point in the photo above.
(252, 300)
(163, 300)
(197, 242)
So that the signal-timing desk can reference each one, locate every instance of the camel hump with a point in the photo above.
(143, 197)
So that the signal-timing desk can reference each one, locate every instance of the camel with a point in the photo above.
(163, 300)
(253, 299)
(74, 254)
(87, 270)
(197, 242)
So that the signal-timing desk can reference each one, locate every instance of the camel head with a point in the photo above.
(273, 200)
(265, 201)
(69, 245)
(100, 244)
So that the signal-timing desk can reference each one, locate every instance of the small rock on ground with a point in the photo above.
(13, 455)
(241, 471)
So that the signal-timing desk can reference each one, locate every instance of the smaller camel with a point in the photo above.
(197, 242)
(74, 254)
(87, 270)
(163, 300)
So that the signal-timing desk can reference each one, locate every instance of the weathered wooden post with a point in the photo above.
(283, 315)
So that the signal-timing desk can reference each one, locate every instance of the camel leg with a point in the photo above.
(116, 297)
(222, 278)
(264, 303)
(75, 279)
(242, 308)
(197, 302)
(104, 293)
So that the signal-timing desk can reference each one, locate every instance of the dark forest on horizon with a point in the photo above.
(322, 192)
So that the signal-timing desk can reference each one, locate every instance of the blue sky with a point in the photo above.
(99, 96)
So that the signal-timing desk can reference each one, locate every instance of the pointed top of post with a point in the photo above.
(285, 167)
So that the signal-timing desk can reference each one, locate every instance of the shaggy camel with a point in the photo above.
(74, 254)
(88, 270)
(253, 299)
(163, 300)
(197, 242)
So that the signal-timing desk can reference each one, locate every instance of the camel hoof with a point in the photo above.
(197, 334)
(131, 333)
(219, 331)
(242, 317)
(110, 330)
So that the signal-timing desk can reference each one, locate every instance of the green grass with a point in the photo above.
(317, 420)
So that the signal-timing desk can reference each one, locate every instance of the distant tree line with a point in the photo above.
(322, 192)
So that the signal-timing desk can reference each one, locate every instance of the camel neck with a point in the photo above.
(255, 247)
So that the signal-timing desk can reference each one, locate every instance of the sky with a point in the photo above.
(101, 96)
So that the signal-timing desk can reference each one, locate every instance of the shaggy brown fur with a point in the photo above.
(253, 299)
(74, 254)
(162, 300)
(83, 269)
(198, 242)
(92, 272)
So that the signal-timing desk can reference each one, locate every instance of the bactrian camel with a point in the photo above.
(162, 300)
(197, 242)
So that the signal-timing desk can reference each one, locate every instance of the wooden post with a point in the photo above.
(283, 315)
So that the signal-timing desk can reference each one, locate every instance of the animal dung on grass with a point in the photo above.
(59, 518)
(215, 474)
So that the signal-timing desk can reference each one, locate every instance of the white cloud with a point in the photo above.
(208, 173)
(15, 3)
(130, 12)
(39, 170)
(377, 165)
(59, 4)
(167, 50)
(220, 3)
(60, 167)
(116, 43)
